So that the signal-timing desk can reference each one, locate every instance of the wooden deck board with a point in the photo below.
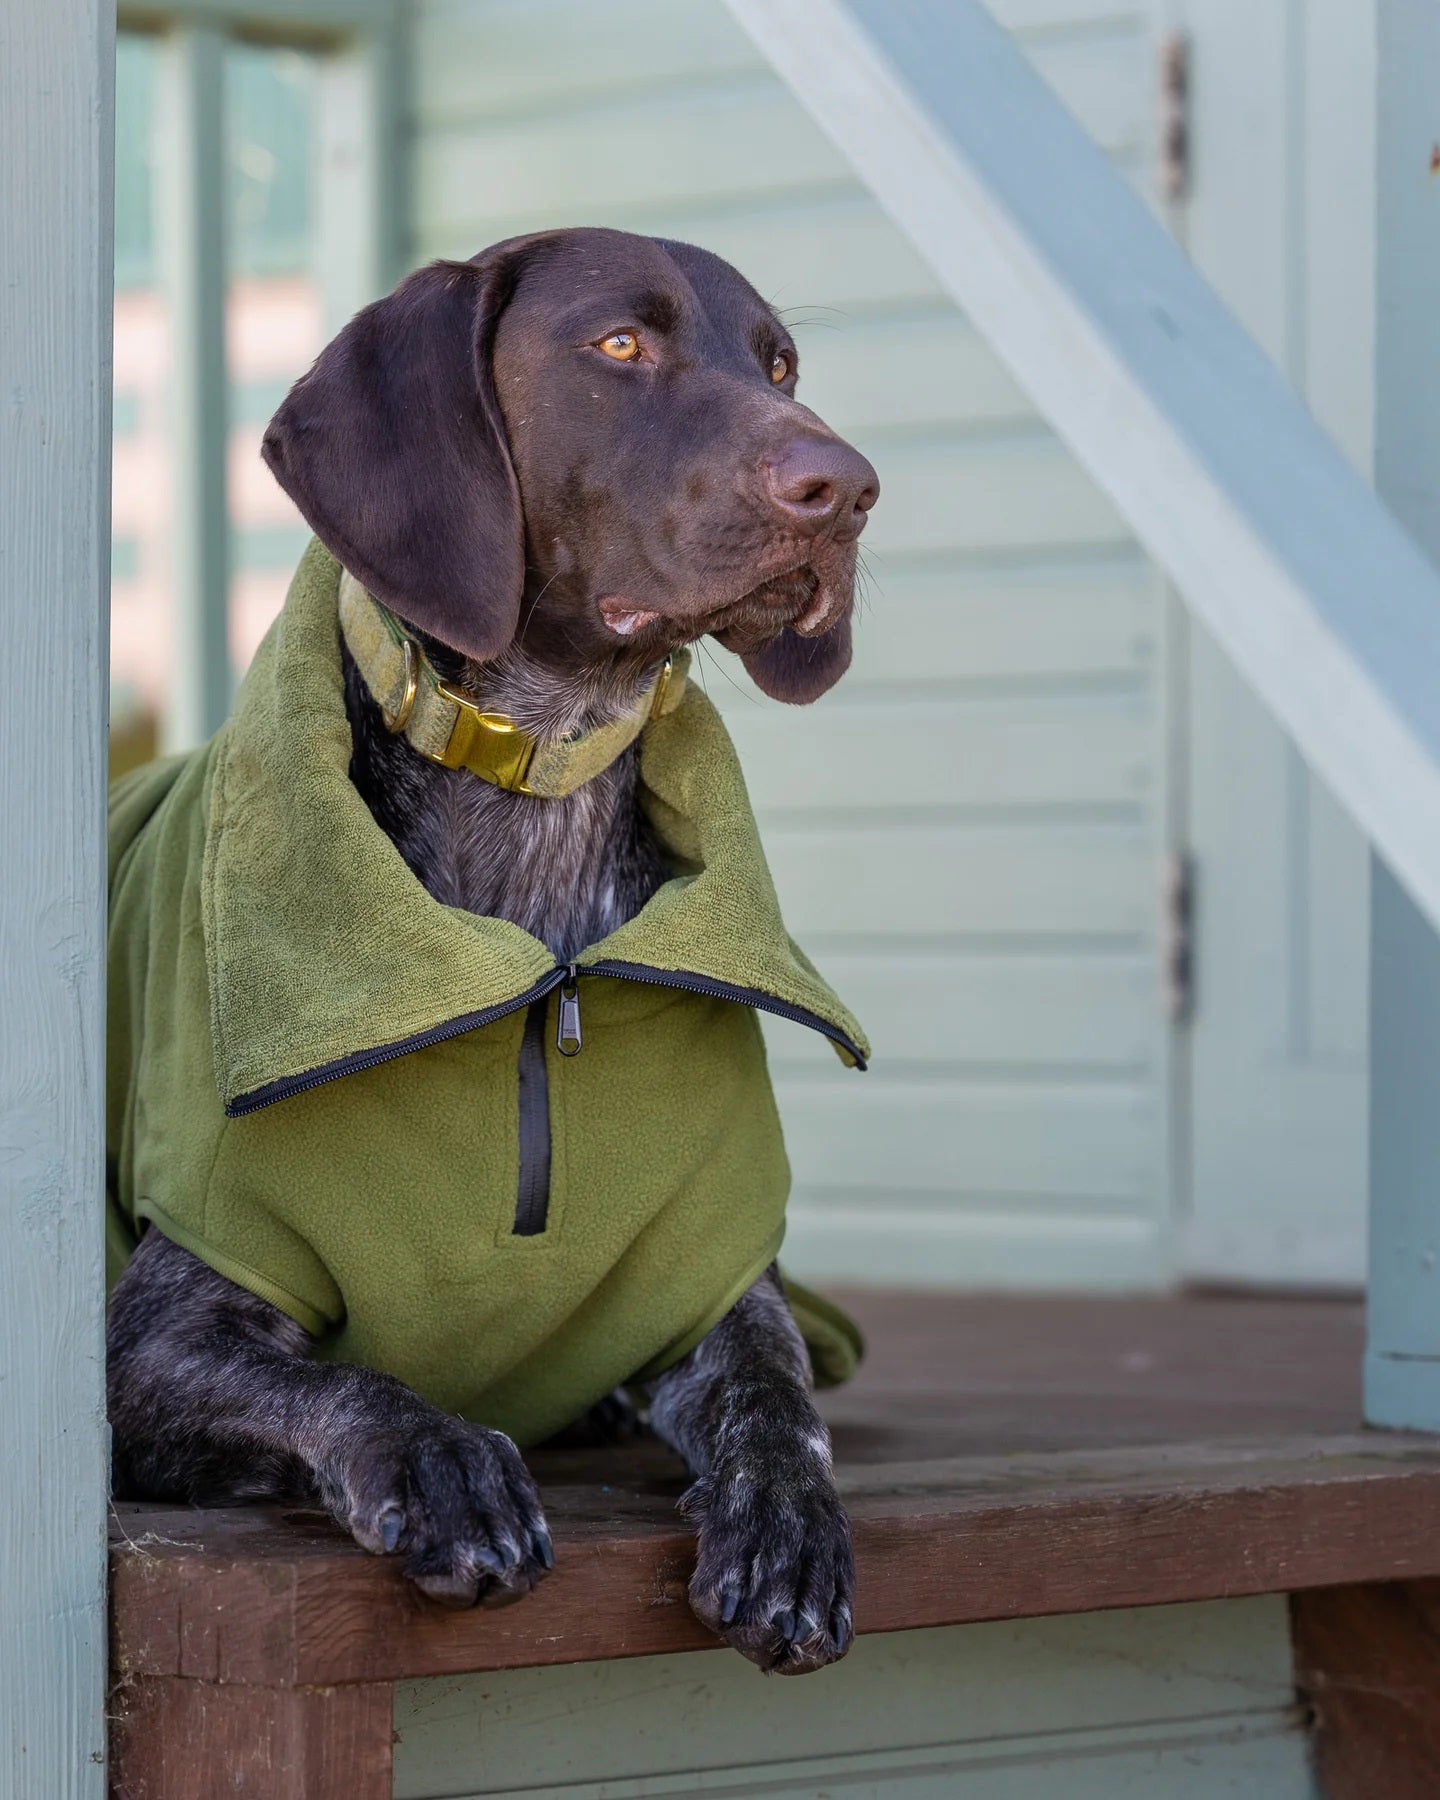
(1001, 1459)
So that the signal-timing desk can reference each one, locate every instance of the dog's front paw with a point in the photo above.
(458, 1500)
(775, 1574)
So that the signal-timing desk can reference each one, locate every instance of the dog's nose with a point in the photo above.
(820, 485)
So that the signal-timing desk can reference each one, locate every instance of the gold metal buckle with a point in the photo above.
(488, 744)
(662, 687)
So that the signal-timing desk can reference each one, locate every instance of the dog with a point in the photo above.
(537, 477)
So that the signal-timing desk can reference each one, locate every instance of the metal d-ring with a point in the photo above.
(397, 721)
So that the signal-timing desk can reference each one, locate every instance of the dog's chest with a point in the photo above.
(567, 871)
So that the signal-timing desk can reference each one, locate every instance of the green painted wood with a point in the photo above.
(1009, 652)
(506, 150)
(831, 248)
(1078, 752)
(1188, 1702)
(521, 174)
(1075, 1143)
(504, 59)
(986, 1012)
(517, 58)
(1020, 628)
(56, 250)
(911, 1238)
(1402, 1365)
(920, 375)
(1021, 882)
(361, 172)
(1009, 492)
(1278, 222)
(191, 184)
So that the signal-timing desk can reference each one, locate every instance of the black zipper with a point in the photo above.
(532, 1199)
(727, 990)
(290, 1085)
(568, 1027)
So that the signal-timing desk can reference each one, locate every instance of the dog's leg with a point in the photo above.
(775, 1574)
(214, 1398)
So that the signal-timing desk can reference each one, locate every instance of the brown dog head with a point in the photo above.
(590, 440)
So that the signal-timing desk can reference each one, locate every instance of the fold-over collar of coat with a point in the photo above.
(321, 944)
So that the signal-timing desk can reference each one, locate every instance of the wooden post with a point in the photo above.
(191, 195)
(57, 84)
(178, 1739)
(1402, 1369)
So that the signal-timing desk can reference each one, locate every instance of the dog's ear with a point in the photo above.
(393, 447)
(800, 669)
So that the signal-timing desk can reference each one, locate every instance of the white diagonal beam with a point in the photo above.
(1324, 603)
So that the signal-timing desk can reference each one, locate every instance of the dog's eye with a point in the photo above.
(779, 368)
(623, 346)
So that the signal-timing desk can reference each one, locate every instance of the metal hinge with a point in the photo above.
(1173, 150)
(1177, 935)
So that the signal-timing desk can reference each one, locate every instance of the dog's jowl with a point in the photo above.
(438, 1105)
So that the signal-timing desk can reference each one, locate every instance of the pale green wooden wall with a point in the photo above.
(1182, 1702)
(967, 834)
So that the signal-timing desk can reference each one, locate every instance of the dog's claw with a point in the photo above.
(544, 1550)
(775, 1571)
(461, 1501)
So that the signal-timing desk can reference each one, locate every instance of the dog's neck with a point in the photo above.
(567, 871)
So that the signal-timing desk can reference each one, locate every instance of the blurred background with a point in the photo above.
(1106, 932)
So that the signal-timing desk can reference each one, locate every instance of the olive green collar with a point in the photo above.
(448, 727)
(320, 941)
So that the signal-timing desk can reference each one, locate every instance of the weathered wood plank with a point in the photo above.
(174, 1738)
(975, 1539)
(56, 252)
(1327, 607)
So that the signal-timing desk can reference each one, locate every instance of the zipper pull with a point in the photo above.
(567, 1028)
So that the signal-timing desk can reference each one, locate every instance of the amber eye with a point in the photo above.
(780, 368)
(624, 346)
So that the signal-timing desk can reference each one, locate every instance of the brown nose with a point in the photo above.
(822, 485)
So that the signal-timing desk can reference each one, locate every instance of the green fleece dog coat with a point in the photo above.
(314, 1066)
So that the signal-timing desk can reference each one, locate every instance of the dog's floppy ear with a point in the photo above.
(393, 447)
(800, 669)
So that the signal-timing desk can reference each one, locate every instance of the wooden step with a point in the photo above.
(1000, 1459)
